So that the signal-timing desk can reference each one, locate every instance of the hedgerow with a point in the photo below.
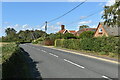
(100, 44)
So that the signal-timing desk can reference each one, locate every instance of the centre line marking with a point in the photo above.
(43, 51)
(53, 55)
(106, 77)
(74, 63)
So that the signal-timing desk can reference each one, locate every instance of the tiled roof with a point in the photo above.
(69, 31)
(62, 31)
(72, 31)
(86, 29)
(112, 31)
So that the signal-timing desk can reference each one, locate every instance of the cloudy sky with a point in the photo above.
(32, 15)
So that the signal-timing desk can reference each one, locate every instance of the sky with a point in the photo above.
(32, 15)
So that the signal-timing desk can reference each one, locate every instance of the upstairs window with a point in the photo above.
(100, 30)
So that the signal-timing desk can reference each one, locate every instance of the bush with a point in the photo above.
(59, 42)
(100, 44)
(69, 36)
(86, 34)
(49, 42)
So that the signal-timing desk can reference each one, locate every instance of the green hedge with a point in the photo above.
(100, 44)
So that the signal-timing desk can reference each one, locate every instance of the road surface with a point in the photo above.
(53, 63)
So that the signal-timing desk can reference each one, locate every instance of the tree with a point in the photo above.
(112, 14)
(11, 34)
(29, 35)
(83, 26)
(10, 31)
(86, 34)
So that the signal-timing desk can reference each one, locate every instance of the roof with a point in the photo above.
(69, 31)
(72, 31)
(86, 29)
(62, 31)
(111, 30)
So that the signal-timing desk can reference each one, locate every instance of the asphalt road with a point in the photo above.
(53, 63)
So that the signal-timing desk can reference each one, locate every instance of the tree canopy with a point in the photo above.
(83, 26)
(112, 14)
(22, 36)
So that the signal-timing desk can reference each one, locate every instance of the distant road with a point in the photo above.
(59, 64)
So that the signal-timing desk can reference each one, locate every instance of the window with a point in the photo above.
(100, 30)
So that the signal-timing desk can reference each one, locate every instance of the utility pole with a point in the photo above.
(45, 28)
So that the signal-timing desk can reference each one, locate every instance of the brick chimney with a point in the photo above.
(62, 27)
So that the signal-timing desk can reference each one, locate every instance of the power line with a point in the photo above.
(67, 12)
(42, 25)
(84, 18)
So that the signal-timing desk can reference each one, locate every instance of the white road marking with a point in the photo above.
(116, 62)
(43, 51)
(106, 77)
(74, 63)
(53, 55)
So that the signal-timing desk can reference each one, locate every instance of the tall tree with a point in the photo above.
(10, 31)
(83, 26)
(112, 14)
(11, 34)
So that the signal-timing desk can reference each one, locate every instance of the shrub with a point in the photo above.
(49, 42)
(86, 44)
(59, 42)
(100, 44)
(86, 34)
(69, 36)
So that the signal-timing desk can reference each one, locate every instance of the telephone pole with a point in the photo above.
(45, 28)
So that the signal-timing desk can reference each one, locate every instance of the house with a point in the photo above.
(84, 29)
(63, 30)
(104, 30)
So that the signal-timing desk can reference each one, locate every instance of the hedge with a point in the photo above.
(100, 44)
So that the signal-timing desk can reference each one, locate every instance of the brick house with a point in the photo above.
(84, 29)
(104, 30)
(63, 30)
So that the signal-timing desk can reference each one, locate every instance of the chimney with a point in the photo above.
(62, 27)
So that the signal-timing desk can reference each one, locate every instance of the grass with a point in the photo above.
(13, 62)
(8, 50)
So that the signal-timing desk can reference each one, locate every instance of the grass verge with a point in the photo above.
(113, 56)
(13, 63)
